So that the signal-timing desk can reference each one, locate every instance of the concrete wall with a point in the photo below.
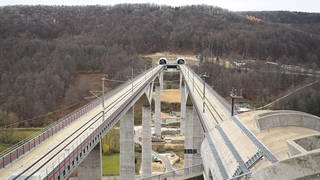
(287, 118)
(209, 163)
(209, 156)
(295, 167)
(309, 143)
(294, 148)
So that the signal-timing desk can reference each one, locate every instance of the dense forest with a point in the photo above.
(42, 48)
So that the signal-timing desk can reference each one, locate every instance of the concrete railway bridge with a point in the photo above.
(217, 145)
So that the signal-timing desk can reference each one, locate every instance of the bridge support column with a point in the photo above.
(193, 138)
(157, 109)
(161, 81)
(91, 167)
(127, 166)
(198, 136)
(183, 110)
(146, 142)
(188, 142)
(181, 79)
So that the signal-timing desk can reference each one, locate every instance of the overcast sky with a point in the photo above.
(234, 5)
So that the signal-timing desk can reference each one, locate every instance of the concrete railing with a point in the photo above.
(287, 118)
(184, 173)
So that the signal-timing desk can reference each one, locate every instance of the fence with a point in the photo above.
(184, 173)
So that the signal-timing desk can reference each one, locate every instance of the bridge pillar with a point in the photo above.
(181, 80)
(161, 80)
(188, 142)
(127, 166)
(157, 109)
(90, 167)
(198, 136)
(183, 110)
(193, 138)
(146, 142)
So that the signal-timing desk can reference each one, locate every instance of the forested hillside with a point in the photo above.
(299, 21)
(43, 47)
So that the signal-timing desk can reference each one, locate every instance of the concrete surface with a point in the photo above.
(41, 156)
(183, 109)
(157, 109)
(91, 166)
(287, 118)
(127, 166)
(188, 142)
(146, 170)
(295, 167)
(276, 139)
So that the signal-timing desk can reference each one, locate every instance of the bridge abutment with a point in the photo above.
(127, 165)
(91, 166)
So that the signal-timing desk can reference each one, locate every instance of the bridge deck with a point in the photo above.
(232, 152)
(47, 155)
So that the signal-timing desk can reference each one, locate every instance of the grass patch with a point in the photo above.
(4, 146)
(111, 165)
(9, 137)
(175, 125)
(171, 96)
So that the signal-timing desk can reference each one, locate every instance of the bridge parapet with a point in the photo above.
(287, 118)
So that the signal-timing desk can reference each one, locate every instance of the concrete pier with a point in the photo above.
(193, 138)
(183, 111)
(127, 166)
(161, 81)
(146, 170)
(197, 138)
(188, 142)
(91, 167)
(157, 109)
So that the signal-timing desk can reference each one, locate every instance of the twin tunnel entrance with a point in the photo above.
(171, 64)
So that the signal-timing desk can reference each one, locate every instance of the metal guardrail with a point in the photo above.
(183, 173)
(244, 176)
(224, 102)
(255, 140)
(252, 161)
(217, 157)
(210, 142)
(216, 116)
(233, 150)
(18, 150)
(243, 168)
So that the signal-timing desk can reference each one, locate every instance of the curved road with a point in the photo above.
(164, 159)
